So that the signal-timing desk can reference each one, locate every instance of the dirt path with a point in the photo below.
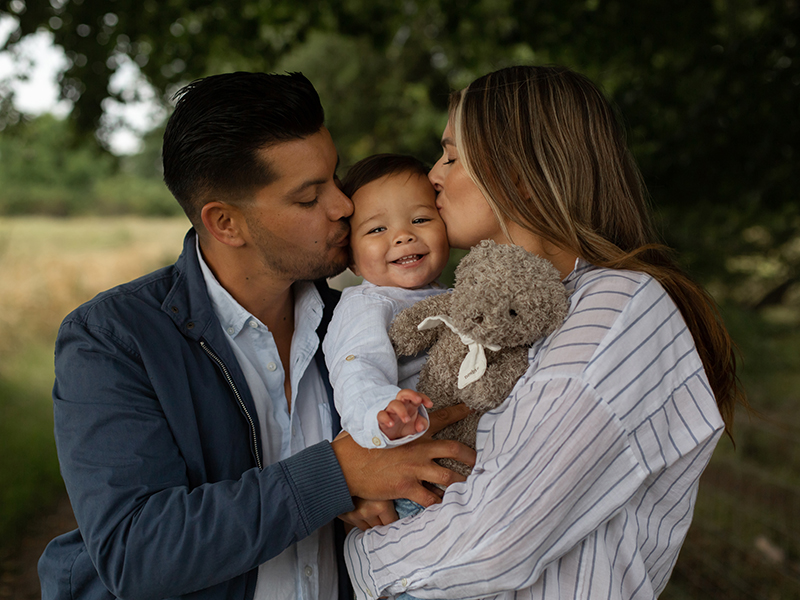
(18, 577)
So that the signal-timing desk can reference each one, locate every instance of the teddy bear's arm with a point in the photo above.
(406, 338)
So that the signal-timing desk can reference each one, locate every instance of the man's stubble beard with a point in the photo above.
(300, 267)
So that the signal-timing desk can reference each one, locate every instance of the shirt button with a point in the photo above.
(253, 324)
(376, 440)
(272, 366)
(350, 357)
(404, 581)
(231, 330)
(308, 571)
(294, 431)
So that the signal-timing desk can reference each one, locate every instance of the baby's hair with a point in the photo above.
(379, 165)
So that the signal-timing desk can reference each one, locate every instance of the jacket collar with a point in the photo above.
(189, 306)
(187, 303)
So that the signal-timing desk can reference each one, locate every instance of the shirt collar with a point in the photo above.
(234, 317)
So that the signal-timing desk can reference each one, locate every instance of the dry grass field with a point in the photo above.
(49, 266)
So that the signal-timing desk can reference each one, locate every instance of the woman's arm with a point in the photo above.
(555, 464)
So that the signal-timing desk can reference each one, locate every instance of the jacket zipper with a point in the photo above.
(232, 385)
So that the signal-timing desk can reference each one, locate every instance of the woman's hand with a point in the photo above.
(369, 513)
(389, 473)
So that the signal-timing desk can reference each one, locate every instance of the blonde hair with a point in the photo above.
(547, 151)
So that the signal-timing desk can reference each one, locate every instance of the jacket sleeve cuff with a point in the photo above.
(319, 485)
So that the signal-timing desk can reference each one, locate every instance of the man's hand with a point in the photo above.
(401, 417)
(369, 513)
(389, 473)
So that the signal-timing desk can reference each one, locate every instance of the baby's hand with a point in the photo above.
(401, 417)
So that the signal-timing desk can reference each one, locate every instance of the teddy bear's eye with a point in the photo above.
(512, 312)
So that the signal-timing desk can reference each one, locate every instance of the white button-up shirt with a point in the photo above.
(586, 476)
(306, 570)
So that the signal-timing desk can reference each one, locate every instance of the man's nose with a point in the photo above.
(341, 206)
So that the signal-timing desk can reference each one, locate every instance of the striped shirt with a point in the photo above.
(586, 475)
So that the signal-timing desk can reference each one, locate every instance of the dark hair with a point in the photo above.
(548, 151)
(377, 166)
(220, 123)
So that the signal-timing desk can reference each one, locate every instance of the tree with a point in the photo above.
(709, 90)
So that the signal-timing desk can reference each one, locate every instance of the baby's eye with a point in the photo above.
(376, 230)
(420, 220)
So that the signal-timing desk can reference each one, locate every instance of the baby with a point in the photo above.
(399, 246)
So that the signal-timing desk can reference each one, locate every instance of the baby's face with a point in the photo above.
(396, 234)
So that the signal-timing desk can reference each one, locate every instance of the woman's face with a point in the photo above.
(461, 204)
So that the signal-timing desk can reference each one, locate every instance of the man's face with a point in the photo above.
(298, 224)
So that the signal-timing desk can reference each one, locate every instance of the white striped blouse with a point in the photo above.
(586, 475)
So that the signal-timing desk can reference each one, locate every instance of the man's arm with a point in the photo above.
(134, 469)
(150, 527)
(390, 473)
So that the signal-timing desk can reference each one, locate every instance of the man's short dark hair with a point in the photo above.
(220, 123)
(379, 165)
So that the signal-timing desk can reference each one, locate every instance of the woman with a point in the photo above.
(586, 478)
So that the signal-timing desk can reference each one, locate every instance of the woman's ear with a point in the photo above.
(224, 222)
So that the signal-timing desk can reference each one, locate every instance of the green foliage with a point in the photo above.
(709, 89)
(29, 474)
(43, 169)
(46, 169)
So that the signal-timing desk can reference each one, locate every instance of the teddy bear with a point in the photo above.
(477, 335)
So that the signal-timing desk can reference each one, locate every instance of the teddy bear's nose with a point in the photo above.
(478, 319)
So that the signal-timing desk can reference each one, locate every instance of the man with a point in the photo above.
(193, 415)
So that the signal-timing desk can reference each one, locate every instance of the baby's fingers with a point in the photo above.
(385, 420)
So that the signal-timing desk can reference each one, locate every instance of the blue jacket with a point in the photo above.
(157, 438)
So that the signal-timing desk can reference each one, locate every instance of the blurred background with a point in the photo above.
(710, 94)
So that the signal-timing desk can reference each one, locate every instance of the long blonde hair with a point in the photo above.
(547, 151)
